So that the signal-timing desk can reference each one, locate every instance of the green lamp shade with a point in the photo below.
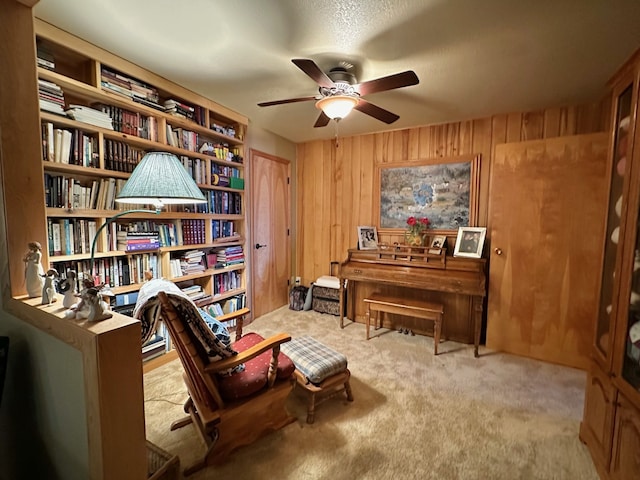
(160, 179)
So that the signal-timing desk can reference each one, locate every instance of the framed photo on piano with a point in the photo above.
(367, 238)
(469, 242)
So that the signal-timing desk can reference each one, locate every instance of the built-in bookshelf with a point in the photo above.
(99, 116)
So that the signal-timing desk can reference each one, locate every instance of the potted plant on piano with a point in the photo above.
(416, 230)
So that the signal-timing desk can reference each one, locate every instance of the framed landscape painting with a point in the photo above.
(444, 190)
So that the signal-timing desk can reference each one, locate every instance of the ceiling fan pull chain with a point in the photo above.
(337, 122)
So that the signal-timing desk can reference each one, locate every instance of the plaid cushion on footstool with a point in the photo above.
(313, 359)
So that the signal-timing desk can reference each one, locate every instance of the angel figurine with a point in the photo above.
(67, 287)
(33, 271)
(49, 288)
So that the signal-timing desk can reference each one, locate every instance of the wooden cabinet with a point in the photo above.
(625, 461)
(86, 160)
(611, 423)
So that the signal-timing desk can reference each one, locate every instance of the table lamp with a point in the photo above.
(159, 179)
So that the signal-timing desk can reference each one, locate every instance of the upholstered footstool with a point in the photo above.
(320, 371)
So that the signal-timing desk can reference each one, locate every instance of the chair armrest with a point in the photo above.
(267, 344)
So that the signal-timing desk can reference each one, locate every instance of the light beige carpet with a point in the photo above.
(415, 415)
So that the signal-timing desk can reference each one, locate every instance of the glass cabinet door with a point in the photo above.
(630, 324)
(607, 306)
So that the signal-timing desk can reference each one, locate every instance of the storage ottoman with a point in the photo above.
(326, 295)
(320, 371)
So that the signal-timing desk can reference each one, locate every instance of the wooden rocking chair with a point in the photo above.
(227, 424)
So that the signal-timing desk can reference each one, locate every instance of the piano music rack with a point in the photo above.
(406, 255)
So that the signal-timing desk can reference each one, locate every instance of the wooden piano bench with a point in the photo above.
(320, 371)
(405, 306)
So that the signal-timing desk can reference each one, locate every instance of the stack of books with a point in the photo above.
(45, 58)
(179, 109)
(90, 115)
(157, 345)
(136, 241)
(229, 256)
(130, 88)
(51, 97)
(192, 261)
(195, 292)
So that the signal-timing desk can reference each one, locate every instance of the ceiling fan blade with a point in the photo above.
(311, 69)
(322, 120)
(376, 112)
(288, 100)
(382, 84)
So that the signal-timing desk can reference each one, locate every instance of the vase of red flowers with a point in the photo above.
(416, 227)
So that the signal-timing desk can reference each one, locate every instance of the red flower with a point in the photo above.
(417, 226)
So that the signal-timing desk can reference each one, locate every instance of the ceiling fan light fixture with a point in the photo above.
(337, 106)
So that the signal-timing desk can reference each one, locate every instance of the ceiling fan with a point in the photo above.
(339, 92)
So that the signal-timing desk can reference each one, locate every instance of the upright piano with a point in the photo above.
(459, 282)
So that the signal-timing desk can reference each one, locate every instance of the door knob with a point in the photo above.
(258, 246)
(497, 251)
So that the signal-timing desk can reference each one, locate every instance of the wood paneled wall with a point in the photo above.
(335, 185)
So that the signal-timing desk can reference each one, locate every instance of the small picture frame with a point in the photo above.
(367, 238)
(437, 244)
(469, 242)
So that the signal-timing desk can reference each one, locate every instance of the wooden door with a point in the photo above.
(546, 222)
(269, 239)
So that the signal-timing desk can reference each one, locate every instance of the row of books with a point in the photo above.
(227, 306)
(226, 282)
(50, 97)
(172, 232)
(70, 236)
(221, 202)
(193, 231)
(70, 193)
(182, 138)
(120, 156)
(73, 147)
(223, 229)
(196, 168)
(225, 170)
(114, 271)
(221, 175)
(131, 123)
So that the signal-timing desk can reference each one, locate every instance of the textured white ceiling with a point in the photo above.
(473, 58)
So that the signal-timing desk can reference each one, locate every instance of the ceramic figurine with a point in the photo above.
(91, 305)
(68, 288)
(98, 308)
(81, 309)
(33, 271)
(49, 288)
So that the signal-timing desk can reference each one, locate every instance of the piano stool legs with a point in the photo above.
(404, 306)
